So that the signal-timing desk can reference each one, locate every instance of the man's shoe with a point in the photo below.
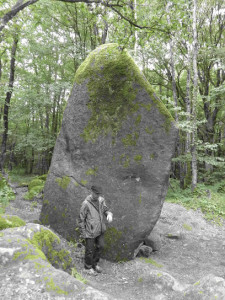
(98, 269)
(91, 272)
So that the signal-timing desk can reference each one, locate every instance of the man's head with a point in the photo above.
(96, 190)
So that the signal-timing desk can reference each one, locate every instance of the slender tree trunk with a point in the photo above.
(1, 110)
(7, 103)
(175, 98)
(187, 147)
(135, 33)
(105, 32)
(194, 99)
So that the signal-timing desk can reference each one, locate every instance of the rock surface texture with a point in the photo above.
(117, 134)
(29, 256)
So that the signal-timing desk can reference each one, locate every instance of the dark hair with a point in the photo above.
(96, 189)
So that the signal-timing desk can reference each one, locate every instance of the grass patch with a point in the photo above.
(78, 276)
(151, 261)
(210, 199)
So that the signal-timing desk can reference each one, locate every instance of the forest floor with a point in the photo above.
(192, 248)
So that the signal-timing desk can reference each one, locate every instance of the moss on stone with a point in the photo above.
(83, 182)
(149, 131)
(138, 120)
(45, 239)
(112, 242)
(92, 171)
(44, 218)
(10, 222)
(147, 106)
(111, 76)
(187, 227)
(152, 156)
(28, 253)
(51, 286)
(138, 158)
(130, 139)
(39, 266)
(140, 199)
(126, 162)
(63, 182)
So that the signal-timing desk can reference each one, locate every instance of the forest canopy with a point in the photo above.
(179, 45)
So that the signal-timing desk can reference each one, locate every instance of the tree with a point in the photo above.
(7, 101)
(114, 5)
(194, 98)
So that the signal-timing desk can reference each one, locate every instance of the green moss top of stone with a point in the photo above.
(10, 222)
(111, 74)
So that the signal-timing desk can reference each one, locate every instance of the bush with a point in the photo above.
(34, 183)
(6, 194)
(35, 187)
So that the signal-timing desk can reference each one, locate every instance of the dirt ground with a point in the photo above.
(191, 249)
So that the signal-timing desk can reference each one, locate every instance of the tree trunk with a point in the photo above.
(194, 99)
(175, 98)
(7, 102)
(187, 147)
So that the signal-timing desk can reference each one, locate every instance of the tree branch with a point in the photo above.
(112, 4)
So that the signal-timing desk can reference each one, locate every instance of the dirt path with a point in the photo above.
(27, 210)
(191, 249)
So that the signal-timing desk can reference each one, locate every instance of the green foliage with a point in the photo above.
(209, 199)
(78, 276)
(10, 222)
(35, 187)
(6, 194)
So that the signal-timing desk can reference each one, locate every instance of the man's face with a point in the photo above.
(95, 196)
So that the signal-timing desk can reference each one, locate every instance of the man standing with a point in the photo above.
(92, 228)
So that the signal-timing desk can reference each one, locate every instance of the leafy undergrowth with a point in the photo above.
(210, 199)
(6, 194)
(35, 183)
(19, 177)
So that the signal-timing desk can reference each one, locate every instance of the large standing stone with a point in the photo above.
(115, 133)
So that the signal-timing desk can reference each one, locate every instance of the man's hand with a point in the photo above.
(109, 217)
(82, 236)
